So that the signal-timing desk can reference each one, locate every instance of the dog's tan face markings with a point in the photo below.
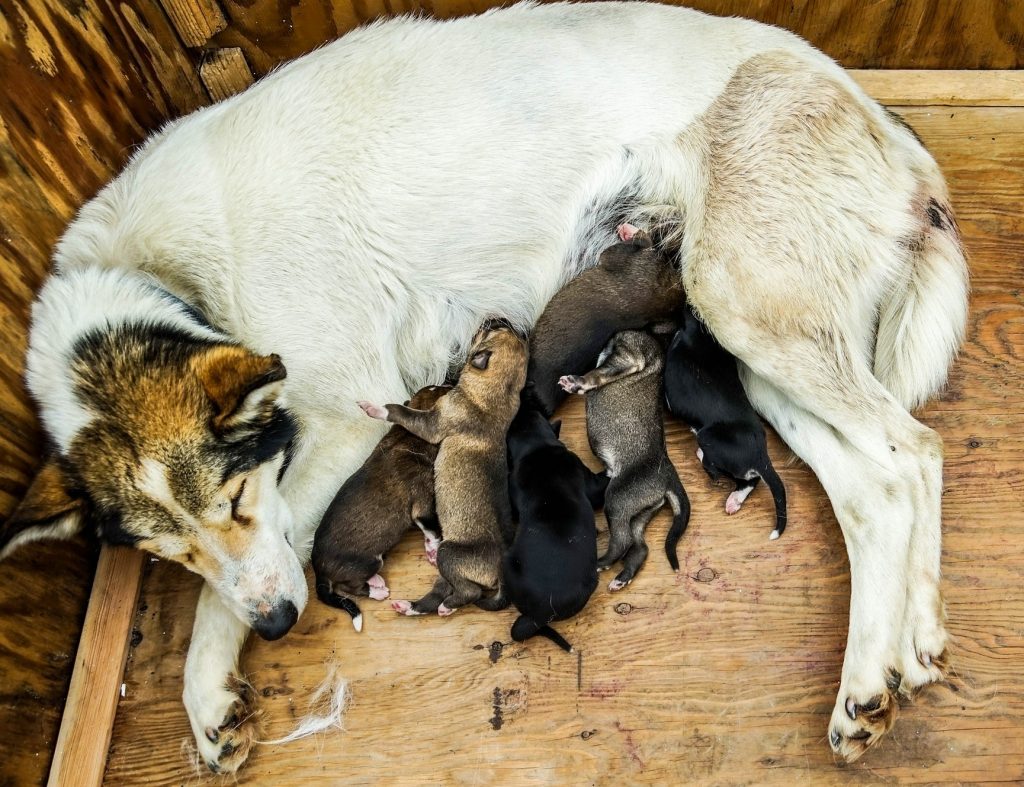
(497, 354)
(181, 457)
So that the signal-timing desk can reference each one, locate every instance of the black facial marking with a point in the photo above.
(262, 445)
(110, 528)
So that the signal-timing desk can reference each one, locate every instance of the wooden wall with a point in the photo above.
(81, 83)
(886, 34)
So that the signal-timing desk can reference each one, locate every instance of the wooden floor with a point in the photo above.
(725, 673)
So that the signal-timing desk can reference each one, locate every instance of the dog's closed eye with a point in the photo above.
(481, 359)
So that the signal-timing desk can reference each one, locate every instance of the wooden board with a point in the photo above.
(81, 83)
(725, 673)
(965, 34)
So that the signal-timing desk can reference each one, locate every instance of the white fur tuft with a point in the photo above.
(326, 709)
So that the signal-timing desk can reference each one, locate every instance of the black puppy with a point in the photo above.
(550, 570)
(703, 388)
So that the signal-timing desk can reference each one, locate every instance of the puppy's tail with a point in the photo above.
(778, 490)
(525, 627)
(327, 595)
(680, 504)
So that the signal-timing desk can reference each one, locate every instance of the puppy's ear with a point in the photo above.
(642, 240)
(49, 510)
(556, 426)
(480, 360)
(242, 387)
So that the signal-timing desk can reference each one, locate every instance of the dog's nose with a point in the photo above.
(276, 623)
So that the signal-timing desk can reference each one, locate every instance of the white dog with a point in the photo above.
(355, 216)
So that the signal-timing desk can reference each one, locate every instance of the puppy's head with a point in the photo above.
(497, 361)
(175, 445)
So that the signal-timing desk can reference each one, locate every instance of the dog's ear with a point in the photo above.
(49, 510)
(242, 386)
(480, 360)
(556, 426)
(642, 240)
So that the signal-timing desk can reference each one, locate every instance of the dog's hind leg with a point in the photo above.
(619, 539)
(636, 556)
(743, 489)
(426, 605)
(874, 496)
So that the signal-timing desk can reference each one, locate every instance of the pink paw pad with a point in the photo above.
(404, 608)
(430, 546)
(570, 384)
(616, 584)
(733, 504)
(444, 611)
(374, 410)
(626, 232)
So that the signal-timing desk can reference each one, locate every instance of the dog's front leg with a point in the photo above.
(425, 424)
(614, 368)
(219, 702)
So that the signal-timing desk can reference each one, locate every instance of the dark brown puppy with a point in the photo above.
(625, 426)
(393, 490)
(471, 472)
(634, 283)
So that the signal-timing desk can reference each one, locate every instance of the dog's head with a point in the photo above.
(497, 363)
(173, 442)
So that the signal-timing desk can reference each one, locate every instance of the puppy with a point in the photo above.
(469, 425)
(703, 388)
(633, 284)
(391, 491)
(624, 425)
(550, 571)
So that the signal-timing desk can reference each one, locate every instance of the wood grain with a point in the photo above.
(81, 83)
(80, 755)
(954, 34)
(225, 72)
(195, 20)
(944, 88)
(724, 673)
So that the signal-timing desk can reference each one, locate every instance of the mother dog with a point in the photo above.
(354, 217)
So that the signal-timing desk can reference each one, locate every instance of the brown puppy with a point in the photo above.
(391, 491)
(471, 472)
(625, 413)
(634, 283)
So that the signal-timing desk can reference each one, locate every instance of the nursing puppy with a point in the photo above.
(392, 490)
(625, 429)
(703, 388)
(550, 571)
(634, 283)
(469, 425)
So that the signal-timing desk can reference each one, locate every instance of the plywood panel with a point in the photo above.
(80, 84)
(723, 674)
(960, 34)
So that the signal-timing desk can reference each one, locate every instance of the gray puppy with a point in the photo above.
(626, 431)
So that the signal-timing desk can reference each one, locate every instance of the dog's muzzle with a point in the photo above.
(276, 623)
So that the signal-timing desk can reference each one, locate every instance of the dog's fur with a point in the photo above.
(360, 212)
(392, 491)
(469, 424)
(550, 570)
(632, 284)
(703, 388)
(625, 426)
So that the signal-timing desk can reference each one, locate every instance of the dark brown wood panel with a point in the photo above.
(962, 34)
(723, 674)
(81, 83)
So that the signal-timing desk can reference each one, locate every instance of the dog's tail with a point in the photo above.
(680, 504)
(525, 627)
(327, 595)
(778, 490)
(922, 320)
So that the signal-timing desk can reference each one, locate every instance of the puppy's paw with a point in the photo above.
(444, 611)
(430, 545)
(700, 454)
(225, 744)
(626, 232)
(616, 584)
(374, 410)
(572, 383)
(404, 608)
(378, 588)
(734, 503)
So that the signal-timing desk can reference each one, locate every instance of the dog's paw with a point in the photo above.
(232, 726)
(923, 649)
(859, 723)
(571, 383)
(378, 588)
(444, 611)
(403, 607)
(616, 584)
(700, 454)
(430, 545)
(374, 410)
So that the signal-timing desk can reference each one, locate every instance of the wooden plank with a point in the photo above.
(944, 88)
(81, 752)
(81, 84)
(225, 72)
(195, 20)
(725, 673)
(979, 34)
